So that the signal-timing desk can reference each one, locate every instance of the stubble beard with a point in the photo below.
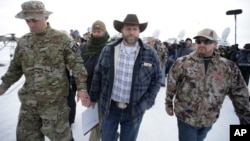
(131, 41)
(205, 53)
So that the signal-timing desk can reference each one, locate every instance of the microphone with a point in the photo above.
(234, 12)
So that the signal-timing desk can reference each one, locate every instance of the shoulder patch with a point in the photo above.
(74, 47)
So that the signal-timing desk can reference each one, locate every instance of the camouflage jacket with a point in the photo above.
(41, 58)
(198, 97)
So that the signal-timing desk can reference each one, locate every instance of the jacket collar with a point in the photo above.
(215, 56)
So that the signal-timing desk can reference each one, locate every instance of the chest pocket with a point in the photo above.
(145, 72)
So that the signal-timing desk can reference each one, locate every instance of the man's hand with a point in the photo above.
(84, 97)
(169, 110)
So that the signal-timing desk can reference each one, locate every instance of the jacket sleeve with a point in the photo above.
(75, 61)
(14, 71)
(239, 94)
(172, 84)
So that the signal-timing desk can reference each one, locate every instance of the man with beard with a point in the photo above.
(90, 54)
(126, 80)
(198, 84)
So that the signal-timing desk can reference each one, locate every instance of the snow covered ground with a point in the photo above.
(156, 125)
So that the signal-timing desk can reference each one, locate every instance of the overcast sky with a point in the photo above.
(167, 16)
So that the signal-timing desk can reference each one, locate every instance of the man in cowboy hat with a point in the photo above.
(41, 56)
(126, 80)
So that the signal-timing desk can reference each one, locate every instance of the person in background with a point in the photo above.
(126, 81)
(85, 38)
(186, 48)
(162, 55)
(77, 37)
(197, 86)
(173, 49)
(41, 56)
(90, 54)
(243, 61)
(170, 59)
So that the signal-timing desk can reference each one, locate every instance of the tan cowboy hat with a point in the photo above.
(130, 19)
(33, 10)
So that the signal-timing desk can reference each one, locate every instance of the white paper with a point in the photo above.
(89, 119)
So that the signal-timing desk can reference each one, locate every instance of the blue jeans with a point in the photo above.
(192, 133)
(129, 126)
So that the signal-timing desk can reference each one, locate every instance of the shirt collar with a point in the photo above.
(122, 48)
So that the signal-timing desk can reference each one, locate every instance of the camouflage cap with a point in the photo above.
(207, 33)
(33, 10)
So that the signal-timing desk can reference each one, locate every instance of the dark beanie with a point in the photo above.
(99, 25)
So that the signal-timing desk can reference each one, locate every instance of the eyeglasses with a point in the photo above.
(205, 42)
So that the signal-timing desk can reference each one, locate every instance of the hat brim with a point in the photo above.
(203, 37)
(118, 25)
(22, 15)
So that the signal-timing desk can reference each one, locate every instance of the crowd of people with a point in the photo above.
(122, 77)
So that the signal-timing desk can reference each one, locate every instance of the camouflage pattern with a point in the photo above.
(41, 58)
(33, 10)
(54, 123)
(198, 97)
(162, 54)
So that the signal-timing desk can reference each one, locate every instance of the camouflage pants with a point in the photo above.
(35, 123)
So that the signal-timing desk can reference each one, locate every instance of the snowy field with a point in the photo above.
(156, 125)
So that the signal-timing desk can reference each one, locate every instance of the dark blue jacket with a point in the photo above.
(146, 79)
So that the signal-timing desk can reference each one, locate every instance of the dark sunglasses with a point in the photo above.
(205, 42)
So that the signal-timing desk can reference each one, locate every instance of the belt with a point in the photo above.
(120, 105)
